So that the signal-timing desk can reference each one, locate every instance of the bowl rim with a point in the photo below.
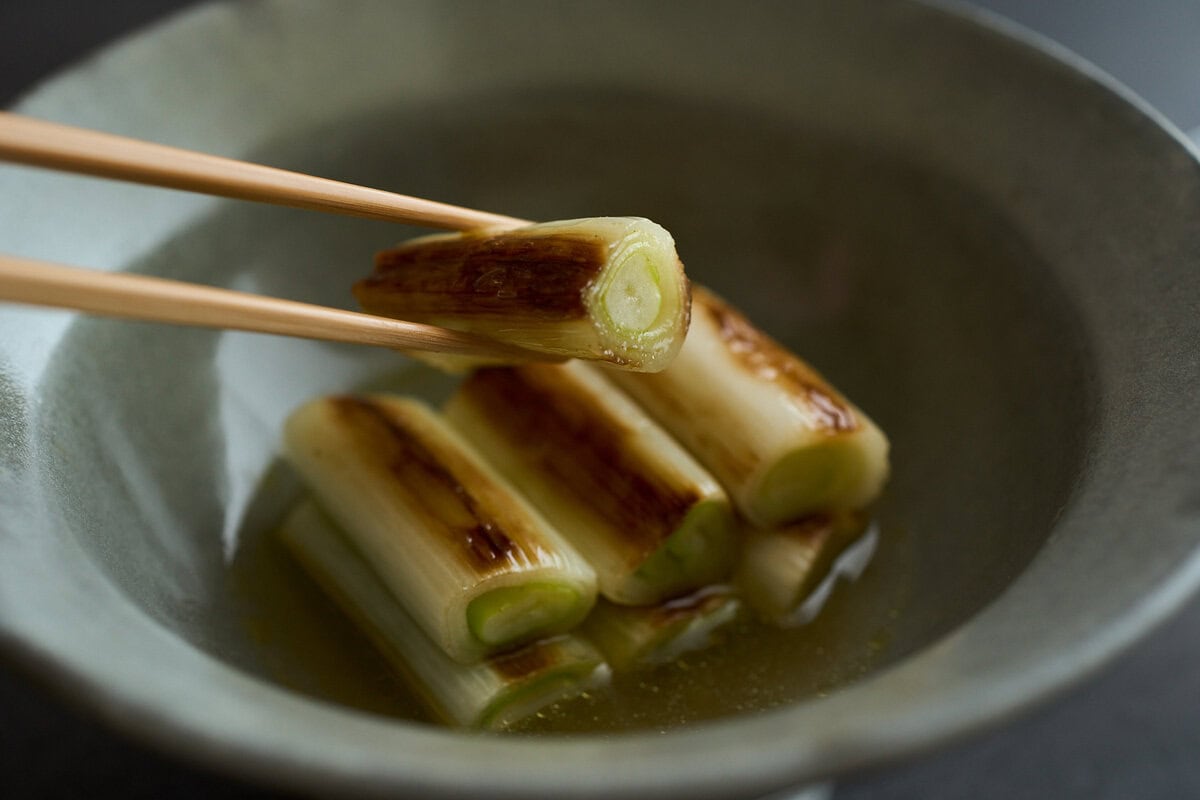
(920, 730)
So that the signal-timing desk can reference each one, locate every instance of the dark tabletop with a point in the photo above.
(1131, 732)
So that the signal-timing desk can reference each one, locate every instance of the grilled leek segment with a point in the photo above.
(641, 636)
(650, 520)
(492, 693)
(607, 288)
(782, 441)
(477, 567)
(780, 568)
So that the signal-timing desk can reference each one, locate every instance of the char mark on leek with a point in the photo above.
(481, 537)
(605, 288)
(522, 661)
(650, 520)
(766, 359)
(583, 448)
(476, 273)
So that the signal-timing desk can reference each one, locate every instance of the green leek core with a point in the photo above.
(632, 298)
(514, 614)
(810, 479)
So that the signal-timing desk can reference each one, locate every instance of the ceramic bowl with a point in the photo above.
(988, 245)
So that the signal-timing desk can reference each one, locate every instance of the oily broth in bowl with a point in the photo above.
(896, 283)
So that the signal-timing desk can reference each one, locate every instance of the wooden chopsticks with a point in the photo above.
(147, 298)
(34, 142)
(37, 143)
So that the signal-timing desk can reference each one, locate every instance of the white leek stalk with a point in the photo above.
(639, 636)
(607, 288)
(782, 567)
(492, 693)
(650, 520)
(477, 567)
(782, 441)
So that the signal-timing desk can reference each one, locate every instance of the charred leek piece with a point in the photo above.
(607, 288)
(493, 693)
(633, 637)
(477, 567)
(782, 441)
(782, 567)
(636, 506)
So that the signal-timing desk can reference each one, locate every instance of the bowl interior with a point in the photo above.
(895, 281)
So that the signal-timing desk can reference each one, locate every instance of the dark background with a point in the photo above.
(1132, 732)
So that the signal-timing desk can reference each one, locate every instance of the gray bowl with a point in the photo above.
(988, 246)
